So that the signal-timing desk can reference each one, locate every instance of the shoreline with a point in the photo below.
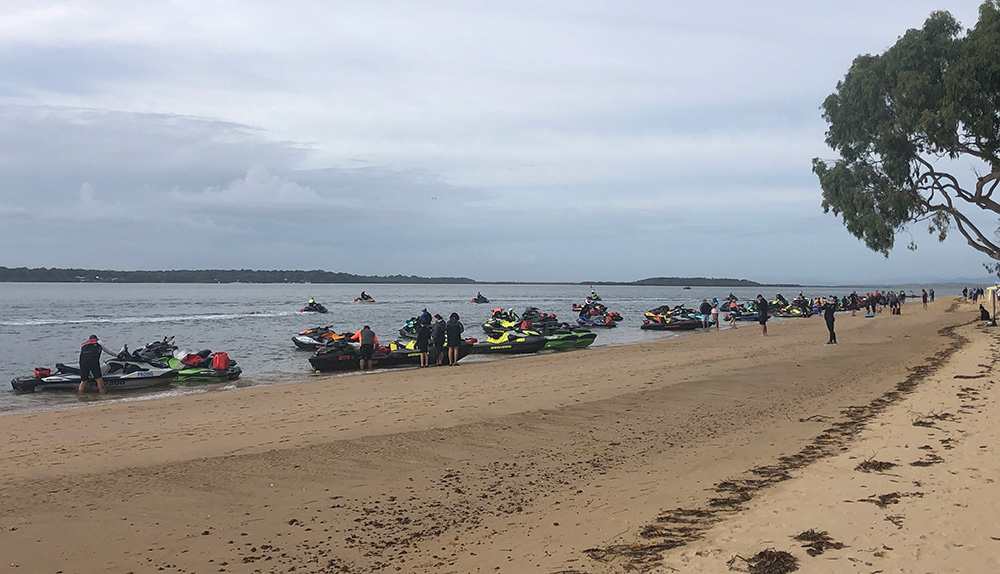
(442, 472)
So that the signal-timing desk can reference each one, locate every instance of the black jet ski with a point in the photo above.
(202, 367)
(313, 307)
(343, 356)
(599, 321)
(480, 299)
(501, 321)
(312, 339)
(669, 323)
(510, 343)
(126, 372)
(560, 336)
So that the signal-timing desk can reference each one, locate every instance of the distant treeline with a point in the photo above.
(25, 275)
(54, 275)
(686, 281)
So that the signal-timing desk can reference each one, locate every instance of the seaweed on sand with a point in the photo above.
(817, 542)
(872, 465)
(768, 561)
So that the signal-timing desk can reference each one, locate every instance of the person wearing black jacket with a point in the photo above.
(828, 309)
(423, 340)
(437, 339)
(706, 313)
(454, 330)
(762, 315)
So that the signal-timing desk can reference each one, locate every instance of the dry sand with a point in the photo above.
(559, 463)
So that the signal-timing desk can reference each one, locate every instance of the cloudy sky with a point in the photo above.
(513, 140)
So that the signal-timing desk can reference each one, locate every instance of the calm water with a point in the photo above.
(44, 323)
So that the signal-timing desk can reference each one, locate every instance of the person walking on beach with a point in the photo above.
(923, 297)
(454, 330)
(828, 310)
(437, 339)
(90, 363)
(368, 340)
(762, 314)
(423, 340)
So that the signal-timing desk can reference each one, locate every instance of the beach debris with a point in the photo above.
(896, 519)
(884, 500)
(814, 418)
(872, 465)
(928, 460)
(768, 561)
(817, 541)
(977, 376)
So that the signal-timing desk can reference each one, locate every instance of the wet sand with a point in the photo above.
(505, 466)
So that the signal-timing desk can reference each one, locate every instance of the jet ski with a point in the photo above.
(601, 321)
(480, 299)
(510, 343)
(560, 336)
(312, 339)
(669, 323)
(364, 299)
(501, 321)
(793, 311)
(677, 312)
(203, 366)
(341, 355)
(594, 308)
(126, 372)
(313, 307)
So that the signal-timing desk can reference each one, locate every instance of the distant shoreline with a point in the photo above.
(317, 276)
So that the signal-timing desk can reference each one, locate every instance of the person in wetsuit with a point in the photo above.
(762, 314)
(828, 309)
(90, 362)
(454, 330)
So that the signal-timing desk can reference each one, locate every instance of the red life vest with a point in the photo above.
(220, 362)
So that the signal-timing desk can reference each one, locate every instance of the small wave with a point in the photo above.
(139, 320)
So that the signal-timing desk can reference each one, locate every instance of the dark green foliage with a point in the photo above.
(897, 118)
(23, 274)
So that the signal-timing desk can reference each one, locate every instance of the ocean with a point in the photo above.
(44, 323)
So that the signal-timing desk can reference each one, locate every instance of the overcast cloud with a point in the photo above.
(557, 140)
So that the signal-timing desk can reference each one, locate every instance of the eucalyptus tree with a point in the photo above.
(907, 124)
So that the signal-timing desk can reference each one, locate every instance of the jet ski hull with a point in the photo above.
(670, 326)
(512, 346)
(202, 374)
(347, 357)
(118, 376)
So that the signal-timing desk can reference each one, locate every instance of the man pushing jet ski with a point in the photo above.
(90, 362)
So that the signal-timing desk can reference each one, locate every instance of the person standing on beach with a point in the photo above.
(931, 293)
(90, 363)
(454, 330)
(423, 340)
(437, 339)
(923, 297)
(762, 314)
(706, 313)
(828, 310)
(715, 315)
(367, 338)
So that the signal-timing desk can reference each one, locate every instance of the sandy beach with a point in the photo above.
(674, 455)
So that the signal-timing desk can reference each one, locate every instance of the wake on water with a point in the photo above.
(152, 319)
